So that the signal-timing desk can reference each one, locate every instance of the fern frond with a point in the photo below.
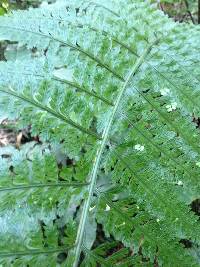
(100, 152)
(34, 203)
(107, 86)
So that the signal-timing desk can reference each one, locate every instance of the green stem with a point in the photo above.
(81, 229)
(33, 252)
(64, 81)
(30, 186)
(82, 89)
(188, 11)
(75, 47)
(50, 111)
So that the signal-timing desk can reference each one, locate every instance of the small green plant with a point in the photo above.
(112, 90)
(4, 6)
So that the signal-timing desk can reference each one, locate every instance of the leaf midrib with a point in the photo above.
(52, 112)
(77, 48)
(99, 153)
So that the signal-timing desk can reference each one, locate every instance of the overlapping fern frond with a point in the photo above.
(115, 85)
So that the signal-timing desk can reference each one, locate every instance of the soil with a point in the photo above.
(7, 137)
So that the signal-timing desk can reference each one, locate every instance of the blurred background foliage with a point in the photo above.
(7, 5)
(181, 10)
(4, 6)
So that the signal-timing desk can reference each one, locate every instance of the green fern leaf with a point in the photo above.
(114, 88)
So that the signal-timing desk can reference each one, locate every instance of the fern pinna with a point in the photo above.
(112, 88)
